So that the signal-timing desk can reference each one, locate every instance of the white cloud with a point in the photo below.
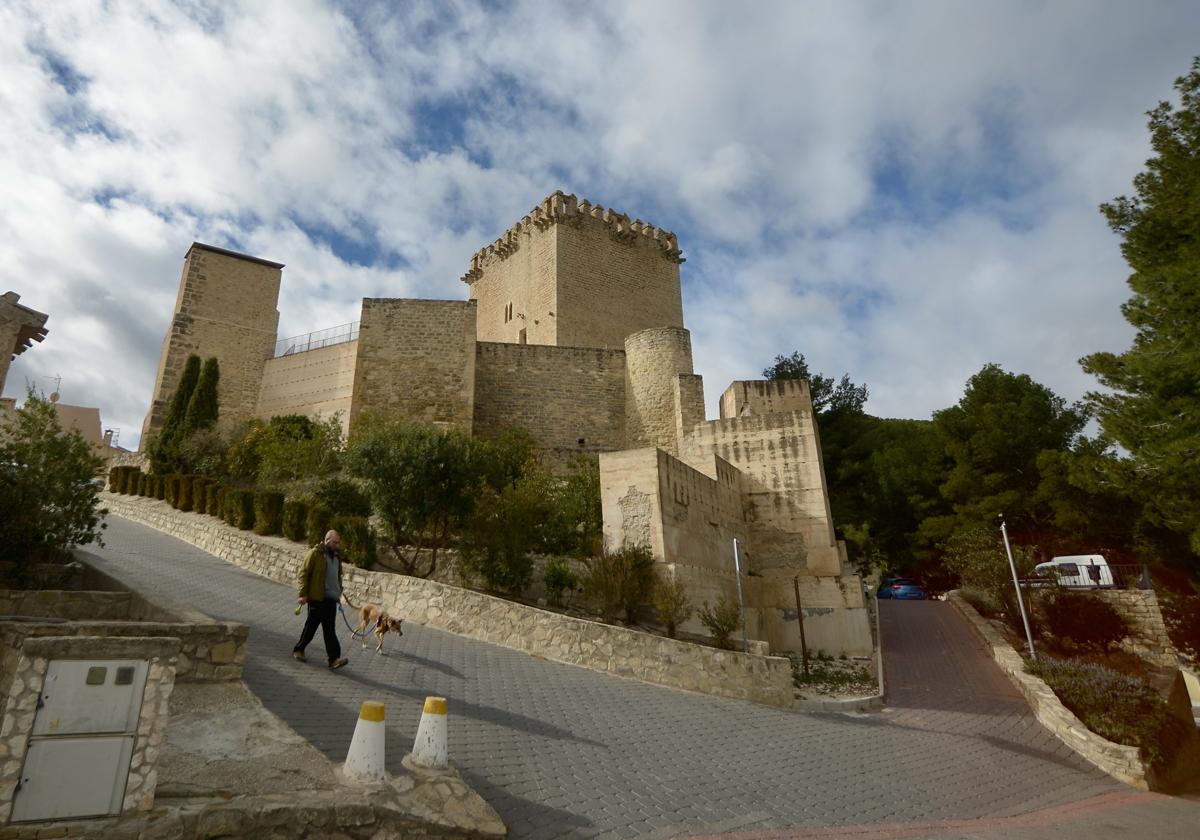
(900, 191)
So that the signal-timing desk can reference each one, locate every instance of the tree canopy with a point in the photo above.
(828, 395)
(1152, 411)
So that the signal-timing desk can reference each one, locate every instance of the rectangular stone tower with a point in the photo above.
(226, 308)
(574, 274)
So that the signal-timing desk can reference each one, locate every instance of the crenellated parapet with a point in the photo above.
(561, 208)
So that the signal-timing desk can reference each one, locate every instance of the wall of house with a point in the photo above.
(416, 358)
(316, 383)
(570, 399)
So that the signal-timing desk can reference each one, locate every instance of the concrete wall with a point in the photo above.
(226, 308)
(785, 483)
(416, 358)
(570, 399)
(316, 383)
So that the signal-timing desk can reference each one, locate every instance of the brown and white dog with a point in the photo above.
(373, 615)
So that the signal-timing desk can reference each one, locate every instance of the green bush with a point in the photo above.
(268, 512)
(1118, 707)
(358, 540)
(721, 620)
(983, 603)
(200, 493)
(671, 603)
(184, 498)
(1083, 618)
(143, 484)
(214, 498)
(172, 493)
(113, 472)
(317, 523)
(341, 496)
(295, 520)
(160, 487)
(558, 579)
(620, 581)
(240, 507)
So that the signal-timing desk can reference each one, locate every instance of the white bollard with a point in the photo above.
(364, 762)
(429, 748)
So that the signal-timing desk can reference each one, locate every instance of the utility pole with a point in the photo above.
(1017, 586)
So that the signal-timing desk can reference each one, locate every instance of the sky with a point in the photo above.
(902, 191)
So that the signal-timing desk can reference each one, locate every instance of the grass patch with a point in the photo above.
(836, 677)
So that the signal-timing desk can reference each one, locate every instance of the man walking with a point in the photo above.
(320, 586)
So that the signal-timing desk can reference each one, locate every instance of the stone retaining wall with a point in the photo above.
(73, 606)
(1148, 639)
(588, 644)
(1117, 760)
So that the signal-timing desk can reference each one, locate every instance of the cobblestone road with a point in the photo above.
(564, 752)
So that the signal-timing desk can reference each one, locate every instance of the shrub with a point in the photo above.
(113, 472)
(184, 498)
(295, 520)
(671, 603)
(341, 496)
(1084, 619)
(212, 498)
(620, 580)
(172, 494)
(317, 524)
(1118, 707)
(240, 507)
(358, 540)
(983, 603)
(721, 620)
(217, 506)
(558, 579)
(160, 487)
(499, 534)
(268, 512)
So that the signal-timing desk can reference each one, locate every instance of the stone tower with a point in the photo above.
(573, 274)
(226, 308)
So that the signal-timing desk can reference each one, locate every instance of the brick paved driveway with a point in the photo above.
(564, 752)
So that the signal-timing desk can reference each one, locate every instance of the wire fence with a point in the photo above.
(317, 340)
(1129, 576)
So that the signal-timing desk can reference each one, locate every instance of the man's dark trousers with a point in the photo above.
(323, 613)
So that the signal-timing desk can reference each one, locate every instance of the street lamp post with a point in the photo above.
(1017, 586)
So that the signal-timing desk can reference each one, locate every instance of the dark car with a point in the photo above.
(901, 589)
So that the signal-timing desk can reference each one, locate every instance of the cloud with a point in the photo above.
(902, 192)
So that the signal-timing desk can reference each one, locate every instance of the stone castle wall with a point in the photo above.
(653, 358)
(225, 308)
(755, 397)
(416, 358)
(317, 383)
(780, 457)
(515, 288)
(570, 399)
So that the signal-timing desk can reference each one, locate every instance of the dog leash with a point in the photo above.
(354, 632)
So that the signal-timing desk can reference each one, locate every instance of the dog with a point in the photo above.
(373, 615)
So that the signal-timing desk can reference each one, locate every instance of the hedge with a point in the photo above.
(268, 512)
(143, 482)
(212, 498)
(199, 496)
(295, 520)
(172, 493)
(186, 483)
(239, 508)
(317, 523)
(160, 487)
(358, 540)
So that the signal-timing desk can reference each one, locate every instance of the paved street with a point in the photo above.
(564, 752)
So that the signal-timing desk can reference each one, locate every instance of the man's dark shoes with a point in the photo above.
(298, 655)
(341, 662)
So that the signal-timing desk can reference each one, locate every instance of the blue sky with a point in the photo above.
(902, 191)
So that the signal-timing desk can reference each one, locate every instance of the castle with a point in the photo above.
(573, 331)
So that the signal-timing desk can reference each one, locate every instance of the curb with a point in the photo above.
(870, 703)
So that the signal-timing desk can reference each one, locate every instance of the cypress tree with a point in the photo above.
(164, 452)
(203, 407)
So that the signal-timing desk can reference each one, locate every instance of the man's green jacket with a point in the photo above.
(310, 583)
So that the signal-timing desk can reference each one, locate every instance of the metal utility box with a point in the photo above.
(82, 740)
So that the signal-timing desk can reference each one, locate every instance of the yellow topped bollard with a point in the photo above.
(365, 760)
(429, 748)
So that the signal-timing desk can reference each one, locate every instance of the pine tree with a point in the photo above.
(1154, 410)
(203, 407)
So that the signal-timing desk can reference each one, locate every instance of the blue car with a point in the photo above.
(901, 589)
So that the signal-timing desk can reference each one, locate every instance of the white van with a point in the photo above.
(1088, 571)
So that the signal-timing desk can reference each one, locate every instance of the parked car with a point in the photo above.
(901, 589)
(1081, 571)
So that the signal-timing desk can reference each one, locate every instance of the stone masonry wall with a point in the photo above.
(225, 308)
(417, 358)
(24, 690)
(570, 399)
(77, 606)
(780, 456)
(316, 383)
(653, 359)
(591, 645)
(1149, 638)
(781, 396)
(514, 287)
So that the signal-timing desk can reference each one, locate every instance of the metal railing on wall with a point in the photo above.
(317, 340)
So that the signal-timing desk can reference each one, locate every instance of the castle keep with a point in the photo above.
(573, 331)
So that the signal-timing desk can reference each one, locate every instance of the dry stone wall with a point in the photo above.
(598, 647)
(225, 308)
(1149, 638)
(570, 399)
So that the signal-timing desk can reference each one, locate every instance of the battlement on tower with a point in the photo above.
(564, 208)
